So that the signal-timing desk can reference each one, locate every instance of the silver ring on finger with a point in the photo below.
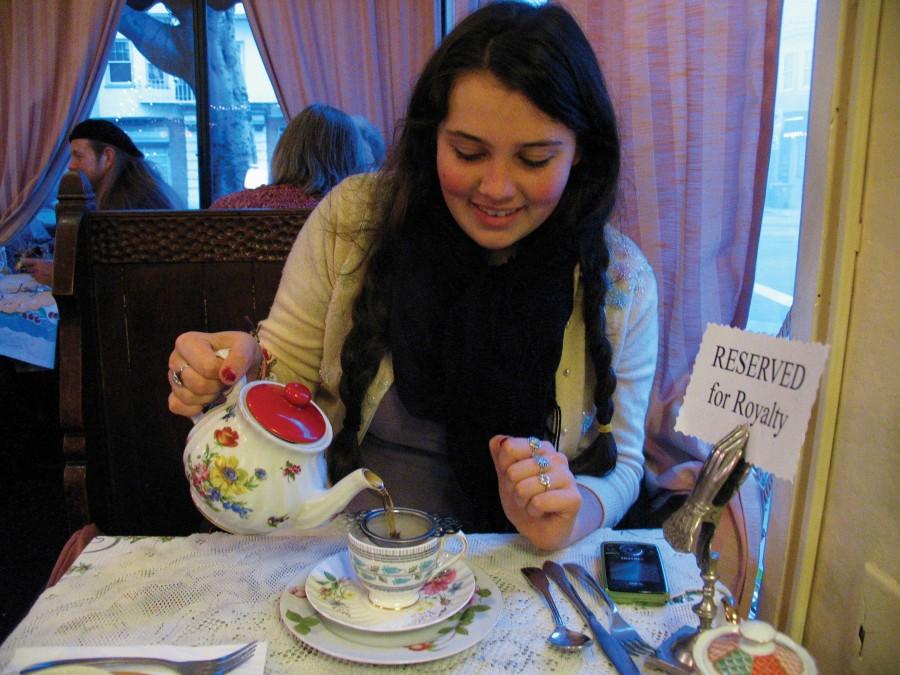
(544, 480)
(542, 462)
(176, 376)
(535, 444)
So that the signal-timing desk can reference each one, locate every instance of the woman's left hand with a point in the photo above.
(542, 502)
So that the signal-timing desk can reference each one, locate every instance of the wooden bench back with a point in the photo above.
(127, 283)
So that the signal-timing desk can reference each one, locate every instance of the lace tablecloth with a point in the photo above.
(220, 588)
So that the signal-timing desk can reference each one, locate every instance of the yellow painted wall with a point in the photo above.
(857, 566)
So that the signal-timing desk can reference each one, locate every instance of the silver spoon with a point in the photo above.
(562, 637)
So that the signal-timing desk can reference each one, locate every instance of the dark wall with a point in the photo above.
(32, 515)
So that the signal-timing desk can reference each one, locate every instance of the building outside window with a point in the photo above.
(776, 262)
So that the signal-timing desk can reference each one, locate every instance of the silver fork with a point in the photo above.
(216, 666)
(620, 629)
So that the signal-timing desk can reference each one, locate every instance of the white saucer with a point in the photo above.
(334, 591)
(451, 636)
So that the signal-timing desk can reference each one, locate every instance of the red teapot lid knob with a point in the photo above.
(297, 394)
(285, 411)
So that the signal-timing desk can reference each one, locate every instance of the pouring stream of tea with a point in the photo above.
(393, 532)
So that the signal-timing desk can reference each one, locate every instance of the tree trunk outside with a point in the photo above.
(230, 119)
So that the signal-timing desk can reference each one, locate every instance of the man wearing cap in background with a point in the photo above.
(119, 174)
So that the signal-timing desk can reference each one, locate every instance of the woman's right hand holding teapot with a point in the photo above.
(198, 375)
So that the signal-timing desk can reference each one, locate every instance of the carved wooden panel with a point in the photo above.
(194, 236)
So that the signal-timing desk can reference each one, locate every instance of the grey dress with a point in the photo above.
(410, 455)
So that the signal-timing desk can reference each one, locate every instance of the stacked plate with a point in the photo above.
(327, 608)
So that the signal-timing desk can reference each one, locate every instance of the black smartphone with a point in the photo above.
(633, 572)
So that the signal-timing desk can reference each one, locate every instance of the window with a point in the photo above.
(156, 78)
(161, 114)
(807, 65)
(151, 113)
(788, 71)
(776, 262)
(120, 62)
(183, 91)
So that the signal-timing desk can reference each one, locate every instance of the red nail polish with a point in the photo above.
(228, 375)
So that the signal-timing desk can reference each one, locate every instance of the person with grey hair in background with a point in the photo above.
(318, 149)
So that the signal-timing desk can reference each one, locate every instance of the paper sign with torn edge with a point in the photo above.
(770, 383)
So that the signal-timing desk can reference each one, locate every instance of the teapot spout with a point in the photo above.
(319, 508)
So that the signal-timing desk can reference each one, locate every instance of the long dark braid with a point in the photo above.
(542, 53)
(600, 457)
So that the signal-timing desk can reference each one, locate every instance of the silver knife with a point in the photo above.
(611, 647)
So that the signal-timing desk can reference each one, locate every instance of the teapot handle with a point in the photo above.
(228, 393)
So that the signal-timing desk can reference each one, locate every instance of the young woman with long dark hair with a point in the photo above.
(477, 332)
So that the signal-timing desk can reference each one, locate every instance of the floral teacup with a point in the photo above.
(394, 569)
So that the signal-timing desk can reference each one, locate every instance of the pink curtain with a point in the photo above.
(361, 56)
(53, 55)
(693, 84)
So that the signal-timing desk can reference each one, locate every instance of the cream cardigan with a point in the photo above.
(310, 319)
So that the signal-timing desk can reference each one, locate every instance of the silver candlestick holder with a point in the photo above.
(691, 529)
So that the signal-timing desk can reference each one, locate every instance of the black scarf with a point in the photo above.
(476, 347)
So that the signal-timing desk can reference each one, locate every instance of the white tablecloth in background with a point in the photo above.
(28, 320)
(220, 588)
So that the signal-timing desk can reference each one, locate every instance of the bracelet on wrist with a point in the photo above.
(267, 361)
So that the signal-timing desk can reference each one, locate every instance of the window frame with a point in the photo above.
(837, 139)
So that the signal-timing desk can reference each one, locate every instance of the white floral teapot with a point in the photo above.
(256, 463)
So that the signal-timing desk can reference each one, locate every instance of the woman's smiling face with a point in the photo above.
(502, 163)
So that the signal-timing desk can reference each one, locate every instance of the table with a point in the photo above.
(219, 588)
(28, 320)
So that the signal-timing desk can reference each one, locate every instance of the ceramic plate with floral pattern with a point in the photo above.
(450, 636)
(332, 588)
